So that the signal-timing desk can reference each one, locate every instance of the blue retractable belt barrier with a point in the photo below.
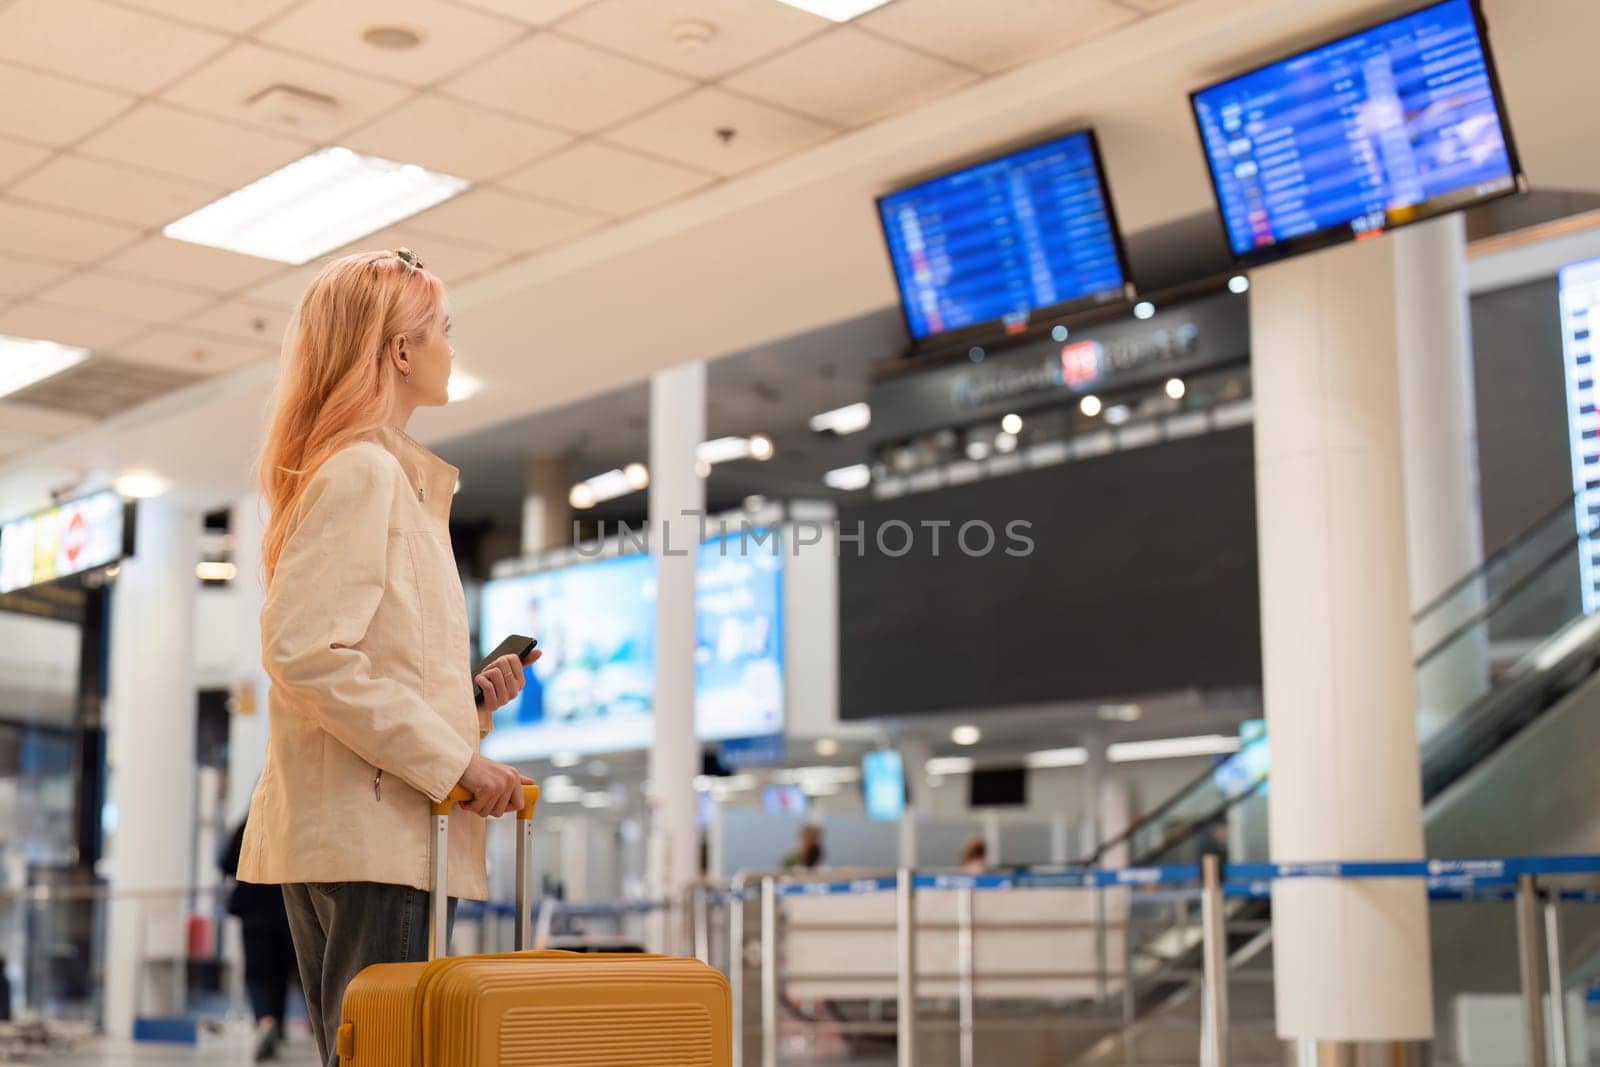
(828, 889)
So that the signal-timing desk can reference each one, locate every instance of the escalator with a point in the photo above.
(1508, 713)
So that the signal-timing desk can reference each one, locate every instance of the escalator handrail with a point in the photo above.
(1499, 556)
(1494, 603)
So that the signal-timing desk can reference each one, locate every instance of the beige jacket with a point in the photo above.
(364, 637)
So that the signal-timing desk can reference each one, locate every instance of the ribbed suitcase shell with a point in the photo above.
(538, 1009)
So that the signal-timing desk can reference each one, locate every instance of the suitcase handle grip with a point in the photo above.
(460, 795)
(438, 933)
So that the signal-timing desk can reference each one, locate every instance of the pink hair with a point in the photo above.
(336, 385)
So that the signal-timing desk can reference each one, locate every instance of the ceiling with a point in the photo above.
(774, 389)
(569, 115)
(774, 246)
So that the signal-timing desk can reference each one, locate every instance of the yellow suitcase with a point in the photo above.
(533, 1009)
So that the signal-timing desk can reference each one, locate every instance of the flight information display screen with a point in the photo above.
(1396, 123)
(993, 243)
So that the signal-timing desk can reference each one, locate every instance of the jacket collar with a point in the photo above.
(431, 478)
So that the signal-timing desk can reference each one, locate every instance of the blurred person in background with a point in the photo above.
(975, 856)
(364, 636)
(269, 964)
(807, 853)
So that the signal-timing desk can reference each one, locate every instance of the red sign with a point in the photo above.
(76, 538)
(1080, 363)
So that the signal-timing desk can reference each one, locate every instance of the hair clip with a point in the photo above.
(408, 257)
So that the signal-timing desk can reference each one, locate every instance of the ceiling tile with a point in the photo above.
(563, 83)
(602, 178)
(161, 138)
(20, 275)
(229, 16)
(740, 32)
(998, 33)
(196, 353)
(103, 43)
(226, 87)
(17, 157)
(245, 321)
(452, 38)
(533, 12)
(686, 130)
(47, 234)
(75, 109)
(456, 138)
(141, 300)
(500, 220)
(211, 269)
(285, 289)
(69, 326)
(26, 418)
(850, 78)
(451, 260)
(111, 190)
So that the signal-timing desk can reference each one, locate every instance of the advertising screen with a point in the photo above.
(68, 539)
(883, 784)
(1396, 123)
(990, 244)
(738, 606)
(593, 690)
(1580, 319)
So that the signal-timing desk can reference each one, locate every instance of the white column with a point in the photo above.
(546, 515)
(1439, 438)
(575, 858)
(914, 756)
(151, 721)
(677, 497)
(247, 726)
(1351, 958)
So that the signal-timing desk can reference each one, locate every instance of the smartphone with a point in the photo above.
(515, 645)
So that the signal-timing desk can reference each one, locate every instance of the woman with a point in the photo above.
(269, 963)
(364, 636)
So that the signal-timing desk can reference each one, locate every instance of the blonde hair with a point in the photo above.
(336, 386)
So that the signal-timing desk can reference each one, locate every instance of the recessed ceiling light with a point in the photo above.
(1056, 757)
(1172, 748)
(1012, 424)
(1176, 388)
(25, 361)
(836, 10)
(216, 571)
(638, 475)
(755, 502)
(139, 485)
(827, 747)
(1090, 406)
(582, 498)
(949, 765)
(977, 450)
(848, 419)
(1005, 443)
(856, 476)
(316, 204)
(1143, 309)
(966, 735)
(761, 447)
(608, 486)
(462, 386)
(1239, 283)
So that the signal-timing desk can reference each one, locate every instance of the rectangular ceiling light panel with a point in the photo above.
(317, 203)
(25, 361)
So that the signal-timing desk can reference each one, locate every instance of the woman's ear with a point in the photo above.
(399, 356)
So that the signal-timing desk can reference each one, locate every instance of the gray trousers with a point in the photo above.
(340, 928)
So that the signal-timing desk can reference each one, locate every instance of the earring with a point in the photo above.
(406, 379)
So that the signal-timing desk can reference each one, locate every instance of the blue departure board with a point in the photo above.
(990, 244)
(1396, 123)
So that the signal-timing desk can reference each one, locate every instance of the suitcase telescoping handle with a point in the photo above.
(438, 924)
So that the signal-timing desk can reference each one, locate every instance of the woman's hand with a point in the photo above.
(495, 787)
(501, 681)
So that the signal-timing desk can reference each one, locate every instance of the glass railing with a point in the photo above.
(1492, 652)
